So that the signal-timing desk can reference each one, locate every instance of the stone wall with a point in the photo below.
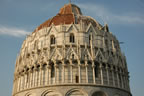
(68, 54)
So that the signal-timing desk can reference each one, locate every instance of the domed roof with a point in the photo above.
(68, 14)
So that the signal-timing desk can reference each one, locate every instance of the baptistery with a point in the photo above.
(71, 55)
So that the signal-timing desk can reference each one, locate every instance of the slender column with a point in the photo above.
(125, 77)
(40, 72)
(92, 54)
(71, 69)
(30, 81)
(32, 78)
(101, 72)
(86, 66)
(79, 65)
(18, 85)
(32, 84)
(47, 74)
(25, 76)
(117, 76)
(63, 75)
(57, 70)
(113, 76)
(42, 76)
(36, 77)
(126, 85)
(127, 81)
(55, 79)
(107, 70)
(71, 73)
(93, 67)
(22, 79)
(25, 81)
(121, 79)
(21, 83)
(63, 59)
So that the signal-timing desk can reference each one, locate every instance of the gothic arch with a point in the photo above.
(99, 93)
(51, 93)
(76, 92)
(29, 94)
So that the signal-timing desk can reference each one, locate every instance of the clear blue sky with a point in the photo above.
(125, 19)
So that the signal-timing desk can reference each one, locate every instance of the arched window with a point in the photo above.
(96, 70)
(52, 39)
(77, 79)
(72, 38)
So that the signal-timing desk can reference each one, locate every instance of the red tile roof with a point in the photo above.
(69, 14)
(66, 15)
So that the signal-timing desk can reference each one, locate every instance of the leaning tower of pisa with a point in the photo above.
(71, 55)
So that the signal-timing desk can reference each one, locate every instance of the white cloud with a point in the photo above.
(13, 31)
(104, 14)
